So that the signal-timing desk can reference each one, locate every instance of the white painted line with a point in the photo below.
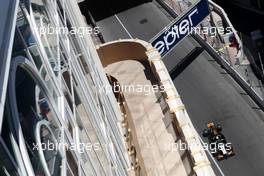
(213, 159)
(123, 26)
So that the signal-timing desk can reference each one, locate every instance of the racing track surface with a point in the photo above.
(207, 92)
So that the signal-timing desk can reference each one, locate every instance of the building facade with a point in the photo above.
(57, 115)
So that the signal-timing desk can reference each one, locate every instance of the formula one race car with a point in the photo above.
(218, 145)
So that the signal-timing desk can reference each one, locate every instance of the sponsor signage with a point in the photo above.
(172, 34)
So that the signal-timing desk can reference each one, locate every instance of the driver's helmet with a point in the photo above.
(210, 125)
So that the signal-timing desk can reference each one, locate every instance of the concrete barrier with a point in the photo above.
(202, 166)
(136, 49)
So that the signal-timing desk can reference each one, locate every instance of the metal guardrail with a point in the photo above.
(236, 76)
(220, 59)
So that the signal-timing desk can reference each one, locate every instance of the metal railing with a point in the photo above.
(234, 59)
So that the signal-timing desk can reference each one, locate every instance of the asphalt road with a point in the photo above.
(207, 92)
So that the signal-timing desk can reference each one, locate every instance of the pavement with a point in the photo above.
(208, 93)
(151, 128)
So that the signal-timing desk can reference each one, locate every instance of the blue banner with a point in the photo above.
(172, 34)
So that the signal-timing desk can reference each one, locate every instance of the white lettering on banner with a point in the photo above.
(160, 46)
(175, 32)
(184, 26)
(191, 14)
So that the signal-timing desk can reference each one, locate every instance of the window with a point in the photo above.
(34, 121)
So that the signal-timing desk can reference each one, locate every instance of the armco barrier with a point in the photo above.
(243, 83)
